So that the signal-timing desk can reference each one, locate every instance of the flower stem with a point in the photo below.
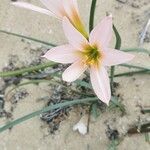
(112, 73)
(92, 13)
(25, 70)
(144, 111)
(29, 38)
(49, 108)
(133, 66)
(117, 46)
(132, 73)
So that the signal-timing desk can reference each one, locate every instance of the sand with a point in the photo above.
(130, 18)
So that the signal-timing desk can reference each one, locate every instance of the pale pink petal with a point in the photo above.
(70, 6)
(100, 83)
(74, 37)
(102, 33)
(62, 54)
(55, 6)
(33, 7)
(114, 57)
(74, 71)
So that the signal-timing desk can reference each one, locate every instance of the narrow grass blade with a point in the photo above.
(116, 103)
(27, 83)
(28, 69)
(118, 38)
(113, 145)
(94, 110)
(28, 38)
(132, 73)
(147, 137)
(117, 46)
(36, 113)
(137, 50)
(134, 66)
(144, 111)
(84, 84)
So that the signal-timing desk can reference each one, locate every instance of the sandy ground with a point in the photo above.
(130, 18)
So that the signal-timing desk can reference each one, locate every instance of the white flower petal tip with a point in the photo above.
(107, 103)
(32, 7)
(81, 126)
(115, 57)
(74, 71)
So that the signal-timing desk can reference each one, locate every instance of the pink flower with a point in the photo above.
(59, 9)
(93, 54)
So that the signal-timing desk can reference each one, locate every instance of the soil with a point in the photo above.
(130, 17)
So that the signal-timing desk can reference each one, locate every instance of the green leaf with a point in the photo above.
(115, 103)
(28, 38)
(132, 73)
(134, 66)
(28, 69)
(137, 50)
(113, 145)
(147, 137)
(94, 110)
(84, 84)
(49, 108)
(117, 46)
(118, 38)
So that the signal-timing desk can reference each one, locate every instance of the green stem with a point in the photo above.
(49, 108)
(117, 46)
(112, 73)
(29, 38)
(132, 73)
(133, 66)
(92, 14)
(144, 111)
(40, 81)
(118, 38)
(137, 50)
(24, 70)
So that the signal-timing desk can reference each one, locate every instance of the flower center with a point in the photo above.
(92, 55)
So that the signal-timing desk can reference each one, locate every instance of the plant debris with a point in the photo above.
(144, 128)
(54, 118)
(112, 134)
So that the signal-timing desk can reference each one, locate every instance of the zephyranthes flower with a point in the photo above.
(59, 9)
(93, 54)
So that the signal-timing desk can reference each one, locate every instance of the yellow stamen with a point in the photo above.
(91, 55)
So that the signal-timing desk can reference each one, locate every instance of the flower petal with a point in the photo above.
(55, 6)
(114, 57)
(33, 7)
(62, 54)
(70, 6)
(72, 13)
(74, 37)
(102, 33)
(74, 71)
(100, 83)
